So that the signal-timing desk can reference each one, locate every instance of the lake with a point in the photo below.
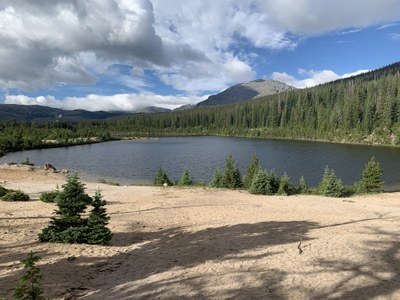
(137, 161)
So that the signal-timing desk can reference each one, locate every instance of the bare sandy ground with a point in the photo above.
(174, 243)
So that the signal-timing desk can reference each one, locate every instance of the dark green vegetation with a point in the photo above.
(360, 109)
(12, 195)
(185, 179)
(29, 286)
(265, 182)
(69, 226)
(49, 197)
(371, 180)
(162, 178)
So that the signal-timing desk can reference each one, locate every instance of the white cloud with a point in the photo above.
(395, 36)
(313, 77)
(193, 46)
(314, 17)
(118, 102)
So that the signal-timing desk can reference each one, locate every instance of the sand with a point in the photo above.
(200, 243)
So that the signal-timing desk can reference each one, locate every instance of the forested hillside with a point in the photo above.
(361, 109)
(364, 109)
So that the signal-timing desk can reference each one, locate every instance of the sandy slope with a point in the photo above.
(172, 243)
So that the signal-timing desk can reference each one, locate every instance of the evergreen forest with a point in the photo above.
(360, 109)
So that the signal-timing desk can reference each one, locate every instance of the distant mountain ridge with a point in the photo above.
(37, 113)
(246, 91)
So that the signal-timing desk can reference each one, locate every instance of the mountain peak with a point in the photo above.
(246, 91)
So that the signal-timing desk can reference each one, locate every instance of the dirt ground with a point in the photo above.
(200, 243)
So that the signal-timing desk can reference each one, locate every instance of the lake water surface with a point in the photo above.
(137, 161)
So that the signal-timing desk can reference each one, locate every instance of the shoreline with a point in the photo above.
(172, 242)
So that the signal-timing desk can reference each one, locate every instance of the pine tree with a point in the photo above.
(371, 180)
(185, 179)
(238, 183)
(161, 178)
(259, 183)
(69, 226)
(228, 180)
(252, 169)
(29, 286)
(285, 186)
(303, 188)
(97, 231)
(216, 181)
(330, 185)
(272, 183)
(232, 178)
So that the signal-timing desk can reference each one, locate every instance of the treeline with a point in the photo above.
(22, 136)
(362, 109)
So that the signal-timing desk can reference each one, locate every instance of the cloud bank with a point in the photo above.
(313, 77)
(118, 102)
(191, 46)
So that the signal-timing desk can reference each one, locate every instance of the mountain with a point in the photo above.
(246, 91)
(185, 107)
(41, 114)
(152, 110)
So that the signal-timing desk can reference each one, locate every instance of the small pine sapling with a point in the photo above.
(216, 181)
(98, 232)
(29, 286)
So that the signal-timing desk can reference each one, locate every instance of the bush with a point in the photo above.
(49, 197)
(29, 286)
(3, 191)
(15, 196)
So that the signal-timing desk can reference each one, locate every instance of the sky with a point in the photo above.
(123, 55)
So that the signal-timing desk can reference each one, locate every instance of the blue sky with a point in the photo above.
(128, 54)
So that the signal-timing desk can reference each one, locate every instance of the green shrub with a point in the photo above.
(15, 196)
(49, 197)
(3, 191)
(29, 286)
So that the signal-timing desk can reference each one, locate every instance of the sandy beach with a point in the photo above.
(201, 243)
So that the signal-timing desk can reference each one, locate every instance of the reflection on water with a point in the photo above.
(137, 161)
